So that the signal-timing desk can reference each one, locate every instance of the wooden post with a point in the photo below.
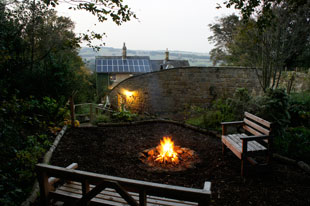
(85, 187)
(142, 198)
(224, 132)
(91, 112)
(243, 155)
(223, 148)
(44, 188)
(72, 111)
(270, 145)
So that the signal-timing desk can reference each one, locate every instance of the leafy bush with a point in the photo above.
(124, 116)
(295, 143)
(24, 139)
(274, 108)
(241, 102)
(211, 118)
(299, 109)
(102, 118)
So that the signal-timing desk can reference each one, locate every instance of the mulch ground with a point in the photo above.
(114, 151)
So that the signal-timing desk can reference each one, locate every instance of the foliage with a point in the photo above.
(223, 34)
(240, 102)
(42, 58)
(262, 8)
(103, 10)
(102, 85)
(123, 116)
(102, 118)
(40, 68)
(299, 109)
(210, 118)
(295, 143)
(283, 44)
(291, 138)
(274, 107)
(24, 139)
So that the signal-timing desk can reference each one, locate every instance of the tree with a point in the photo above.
(223, 35)
(278, 46)
(263, 9)
(102, 9)
(39, 69)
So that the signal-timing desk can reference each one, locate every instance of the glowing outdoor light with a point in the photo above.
(128, 93)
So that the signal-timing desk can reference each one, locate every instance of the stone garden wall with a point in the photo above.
(171, 91)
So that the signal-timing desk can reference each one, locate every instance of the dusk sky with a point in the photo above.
(174, 24)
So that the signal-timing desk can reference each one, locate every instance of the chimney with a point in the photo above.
(124, 51)
(167, 55)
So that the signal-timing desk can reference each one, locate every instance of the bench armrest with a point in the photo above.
(253, 138)
(226, 124)
(232, 123)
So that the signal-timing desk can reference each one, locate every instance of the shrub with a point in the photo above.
(102, 118)
(211, 118)
(124, 116)
(273, 106)
(295, 143)
(299, 109)
(24, 135)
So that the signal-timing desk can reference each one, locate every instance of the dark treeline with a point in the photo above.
(39, 70)
(271, 41)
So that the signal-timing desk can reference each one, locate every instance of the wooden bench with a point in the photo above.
(84, 188)
(256, 139)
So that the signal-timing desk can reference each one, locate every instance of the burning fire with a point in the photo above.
(168, 157)
(166, 151)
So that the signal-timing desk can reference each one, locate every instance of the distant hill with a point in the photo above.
(194, 58)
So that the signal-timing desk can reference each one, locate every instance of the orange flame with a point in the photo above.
(166, 151)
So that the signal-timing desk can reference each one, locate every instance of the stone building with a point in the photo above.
(111, 70)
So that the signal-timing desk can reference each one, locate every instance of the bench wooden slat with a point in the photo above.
(257, 119)
(237, 139)
(252, 131)
(256, 126)
(254, 144)
(69, 196)
(101, 197)
(108, 195)
(234, 147)
(151, 199)
(244, 146)
(162, 191)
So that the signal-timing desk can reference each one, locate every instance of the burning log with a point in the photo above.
(167, 157)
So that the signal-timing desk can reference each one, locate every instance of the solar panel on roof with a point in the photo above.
(110, 69)
(123, 65)
(115, 68)
(126, 69)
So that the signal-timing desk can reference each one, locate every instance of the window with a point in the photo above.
(112, 77)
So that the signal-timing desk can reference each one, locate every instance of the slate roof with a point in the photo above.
(134, 64)
(156, 64)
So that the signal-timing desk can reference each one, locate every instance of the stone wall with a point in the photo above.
(171, 91)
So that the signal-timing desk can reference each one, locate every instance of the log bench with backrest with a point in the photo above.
(84, 188)
(256, 141)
